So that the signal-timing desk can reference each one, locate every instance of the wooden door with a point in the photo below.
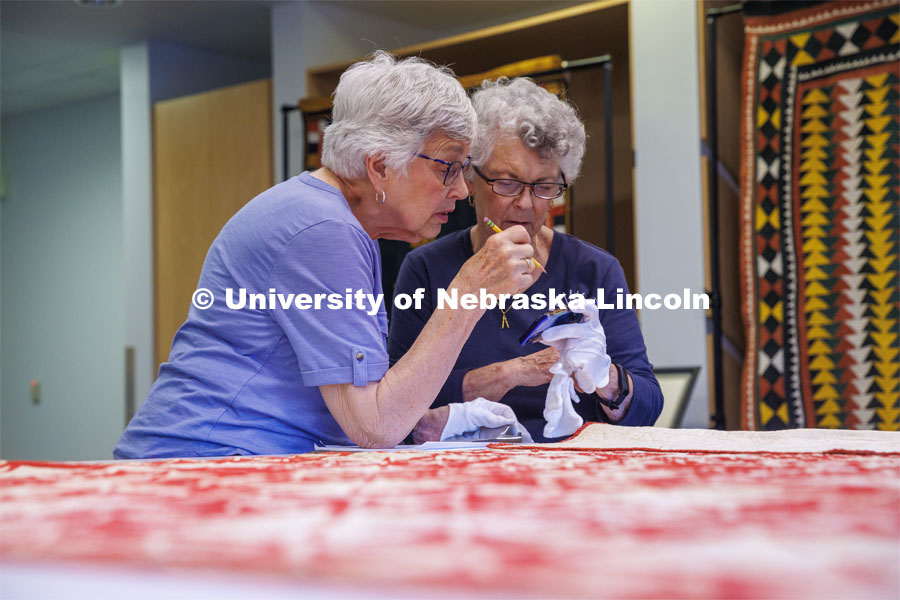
(212, 153)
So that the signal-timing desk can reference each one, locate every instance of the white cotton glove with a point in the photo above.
(562, 420)
(470, 416)
(582, 349)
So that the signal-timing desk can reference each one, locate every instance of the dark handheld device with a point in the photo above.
(562, 316)
(488, 434)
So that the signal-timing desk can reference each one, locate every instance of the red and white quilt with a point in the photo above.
(613, 512)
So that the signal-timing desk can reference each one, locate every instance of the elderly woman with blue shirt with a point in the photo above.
(280, 379)
(528, 149)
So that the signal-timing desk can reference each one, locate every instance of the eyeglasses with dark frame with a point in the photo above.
(453, 168)
(514, 187)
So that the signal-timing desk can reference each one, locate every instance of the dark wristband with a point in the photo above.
(624, 390)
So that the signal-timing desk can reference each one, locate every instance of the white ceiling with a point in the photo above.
(57, 51)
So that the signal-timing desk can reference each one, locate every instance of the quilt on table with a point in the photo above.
(576, 521)
(820, 217)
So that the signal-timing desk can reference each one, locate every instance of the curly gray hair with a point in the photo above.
(519, 108)
(385, 107)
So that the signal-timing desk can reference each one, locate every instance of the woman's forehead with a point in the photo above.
(443, 143)
(512, 156)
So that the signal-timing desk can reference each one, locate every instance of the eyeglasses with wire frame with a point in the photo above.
(514, 187)
(453, 168)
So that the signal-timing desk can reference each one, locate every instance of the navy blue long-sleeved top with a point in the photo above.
(573, 266)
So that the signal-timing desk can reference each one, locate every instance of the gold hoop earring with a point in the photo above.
(471, 200)
(383, 197)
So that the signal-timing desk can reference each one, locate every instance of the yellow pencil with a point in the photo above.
(496, 229)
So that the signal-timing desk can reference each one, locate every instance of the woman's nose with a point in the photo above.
(526, 198)
(458, 189)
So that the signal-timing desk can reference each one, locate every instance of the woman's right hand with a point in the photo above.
(502, 266)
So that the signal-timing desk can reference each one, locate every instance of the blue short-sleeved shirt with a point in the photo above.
(245, 381)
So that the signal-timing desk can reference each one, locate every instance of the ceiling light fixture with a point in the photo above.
(98, 3)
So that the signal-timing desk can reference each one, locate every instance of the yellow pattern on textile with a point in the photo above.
(802, 57)
(813, 180)
(763, 117)
(883, 273)
(766, 413)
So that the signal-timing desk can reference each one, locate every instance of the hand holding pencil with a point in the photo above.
(496, 268)
(496, 229)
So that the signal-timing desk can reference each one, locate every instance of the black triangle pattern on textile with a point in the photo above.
(886, 29)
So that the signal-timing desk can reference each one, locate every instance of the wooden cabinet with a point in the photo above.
(212, 153)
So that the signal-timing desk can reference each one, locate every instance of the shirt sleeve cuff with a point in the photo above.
(645, 404)
(349, 374)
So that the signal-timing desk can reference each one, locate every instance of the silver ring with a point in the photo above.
(529, 263)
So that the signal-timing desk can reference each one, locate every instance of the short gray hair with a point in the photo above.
(385, 107)
(521, 109)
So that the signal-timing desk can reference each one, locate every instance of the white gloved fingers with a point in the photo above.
(587, 330)
(584, 353)
(585, 380)
(590, 367)
(559, 413)
(563, 332)
(486, 418)
(558, 368)
(553, 404)
(495, 407)
(502, 414)
(471, 416)
(573, 394)
(590, 310)
(571, 420)
(591, 319)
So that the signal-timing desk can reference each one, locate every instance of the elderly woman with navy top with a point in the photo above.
(528, 149)
(280, 379)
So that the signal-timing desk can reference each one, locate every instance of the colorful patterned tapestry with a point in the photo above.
(820, 218)
(616, 512)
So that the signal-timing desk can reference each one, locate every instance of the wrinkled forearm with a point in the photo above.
(381, 414)
(491, 382)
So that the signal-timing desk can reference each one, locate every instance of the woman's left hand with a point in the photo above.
(493, 381)
(460, 418)
(533, 369)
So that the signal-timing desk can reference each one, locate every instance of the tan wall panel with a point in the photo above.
(212, 153)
